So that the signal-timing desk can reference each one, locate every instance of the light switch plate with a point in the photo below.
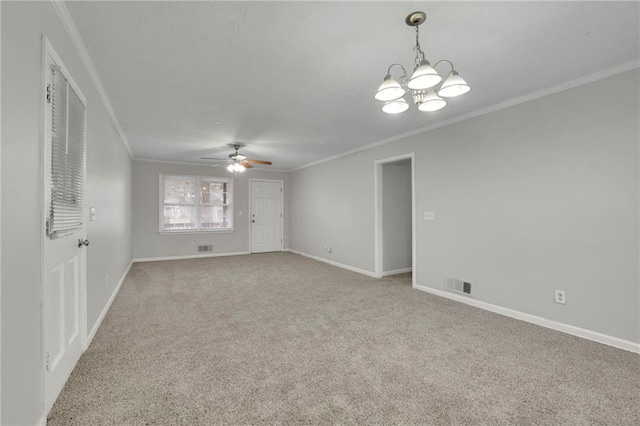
(429, 215)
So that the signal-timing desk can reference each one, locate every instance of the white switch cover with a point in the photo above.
(429, 215)
(92, 214)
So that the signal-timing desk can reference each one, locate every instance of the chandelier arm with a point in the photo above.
(404, 72)
(447, 61)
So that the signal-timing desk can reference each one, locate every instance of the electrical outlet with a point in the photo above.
(561, 297)
(327, 248)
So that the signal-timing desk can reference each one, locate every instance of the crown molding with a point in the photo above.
(76, 41)
(618, 69)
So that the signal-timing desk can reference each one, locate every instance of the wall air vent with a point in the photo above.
(458, 286)
(205, 248)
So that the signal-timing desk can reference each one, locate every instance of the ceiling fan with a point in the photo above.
(238, 162)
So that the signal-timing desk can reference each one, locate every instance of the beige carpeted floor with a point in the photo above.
(281, 339)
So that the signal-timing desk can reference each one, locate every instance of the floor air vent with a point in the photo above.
(458, 286)
(205, 248)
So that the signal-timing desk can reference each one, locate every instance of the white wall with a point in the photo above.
(148, 243)
(332, 204)
(536, 197)
(396, 215)
(108, 189)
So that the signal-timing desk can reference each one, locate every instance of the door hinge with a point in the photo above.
(48, 93)
(48, 362)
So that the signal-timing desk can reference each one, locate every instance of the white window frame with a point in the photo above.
(196, 205)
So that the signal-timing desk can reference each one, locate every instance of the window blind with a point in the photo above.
(66, 157)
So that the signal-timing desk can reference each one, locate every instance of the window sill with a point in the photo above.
(193, 232)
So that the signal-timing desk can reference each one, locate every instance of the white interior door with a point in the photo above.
(64, 246)
(266, 216)
(64, 272)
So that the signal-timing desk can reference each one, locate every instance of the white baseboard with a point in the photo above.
(397, 271)
(194, 256)
(94, 330)
(331, 262)
(554, 325)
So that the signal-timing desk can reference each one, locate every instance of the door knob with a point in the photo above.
(253, 221)
(82, 242)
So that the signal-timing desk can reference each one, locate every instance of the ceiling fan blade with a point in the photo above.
(212, 158)
(268, 163)
(246, 165)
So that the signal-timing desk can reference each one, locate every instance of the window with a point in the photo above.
(65, 155)
(195, 204)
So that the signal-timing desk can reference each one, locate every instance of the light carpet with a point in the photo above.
(281, 339)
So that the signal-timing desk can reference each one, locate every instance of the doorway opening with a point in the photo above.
(395, 243)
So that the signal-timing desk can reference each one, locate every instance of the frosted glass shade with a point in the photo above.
(235, 167)
(432, 102)
(424, 77)
(389, 90)
(396, 106)
(453, 86)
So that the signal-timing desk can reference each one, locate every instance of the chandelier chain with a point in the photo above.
(419, 53)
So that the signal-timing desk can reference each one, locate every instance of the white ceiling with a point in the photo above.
(295, 80)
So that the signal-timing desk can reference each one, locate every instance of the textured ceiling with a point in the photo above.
(295, 80)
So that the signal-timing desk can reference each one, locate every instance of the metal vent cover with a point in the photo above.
(458, 286)
(205, 248)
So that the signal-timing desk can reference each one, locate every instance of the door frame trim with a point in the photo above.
(378, 213)
(48, 50)
(251, 180)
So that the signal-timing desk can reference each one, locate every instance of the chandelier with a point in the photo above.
(427, 86)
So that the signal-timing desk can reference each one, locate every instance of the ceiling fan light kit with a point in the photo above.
(238, 163)
(426, 85)
(236, 167)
